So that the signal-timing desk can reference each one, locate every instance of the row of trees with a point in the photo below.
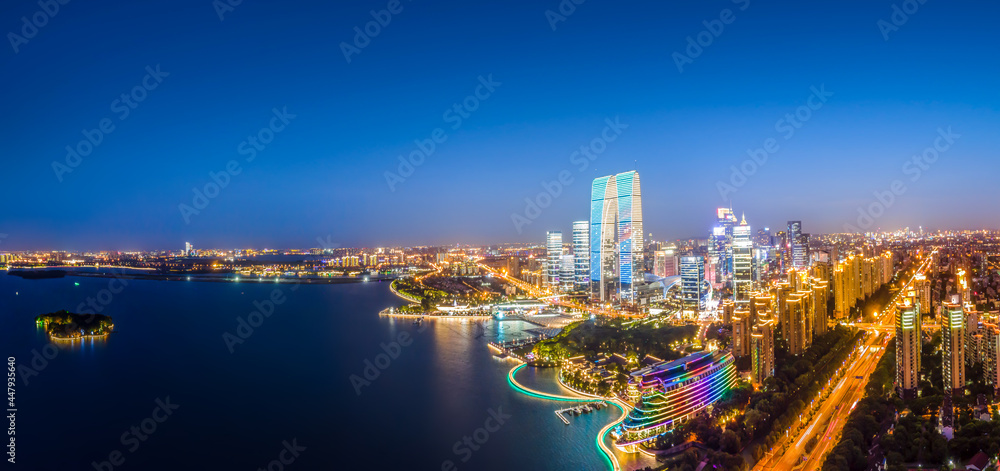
(781, 401)
(636, 340)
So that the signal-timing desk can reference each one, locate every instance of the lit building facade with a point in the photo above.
(762, 348)
(742, 263)
(581, 255)
(692, 283)
(908, 345)
(953, 348)
(553, 257)
(720, 246)
(616, 238)
(798, 245)
(670, 393)
(742, 331)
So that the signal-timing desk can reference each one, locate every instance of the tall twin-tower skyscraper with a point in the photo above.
(616, 243)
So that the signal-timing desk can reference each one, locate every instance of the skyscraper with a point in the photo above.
(923, 288)
(798, 245)
(553, 255)
(799, 335)
(742, 331)
(907, 348)
(692, 281)
(720, 246)
(991, 358)
(616, 244)
(762, 348)
(581, 255)
(821, 296)
(953, 347)
(742, 263)
(567, 272)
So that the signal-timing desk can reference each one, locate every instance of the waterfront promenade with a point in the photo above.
(608, 454)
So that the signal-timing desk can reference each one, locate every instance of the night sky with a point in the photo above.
(686, 117)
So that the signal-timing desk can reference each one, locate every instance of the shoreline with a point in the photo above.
(221, 279)
(385, 313)
(82, 337)
(607, 453)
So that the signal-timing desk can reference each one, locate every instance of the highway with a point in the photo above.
(832, 412)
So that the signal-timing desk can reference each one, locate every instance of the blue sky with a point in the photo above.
(324, 173)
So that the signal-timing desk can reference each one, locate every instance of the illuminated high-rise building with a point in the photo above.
(821, 293)
(742, 263)
(763, 238)
(720, 246)
(581, 255)
(798, 245)
(953, 347)
(188, 248)
(742, 330)
(923, 289)
(908, 346)
(782, 291)
(991, 357)
(692, 283)
(567, 273)
(799, 322)
(728, 308)
(762, 348)
(616, 238)
(553, 255)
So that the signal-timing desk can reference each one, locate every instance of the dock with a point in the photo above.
(581, 409)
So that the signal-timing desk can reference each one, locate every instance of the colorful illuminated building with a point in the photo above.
(670, 393)
(616, 243)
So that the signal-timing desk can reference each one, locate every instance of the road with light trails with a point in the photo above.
(829, 417)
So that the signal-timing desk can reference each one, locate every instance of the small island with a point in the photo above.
(64, 325)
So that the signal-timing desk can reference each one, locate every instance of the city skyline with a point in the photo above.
(331, 168)
(725, 235)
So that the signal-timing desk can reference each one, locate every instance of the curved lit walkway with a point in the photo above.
(609, 455)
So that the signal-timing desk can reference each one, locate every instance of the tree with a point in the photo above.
(729, 443)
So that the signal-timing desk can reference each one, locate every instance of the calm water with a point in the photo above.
(290, 379)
